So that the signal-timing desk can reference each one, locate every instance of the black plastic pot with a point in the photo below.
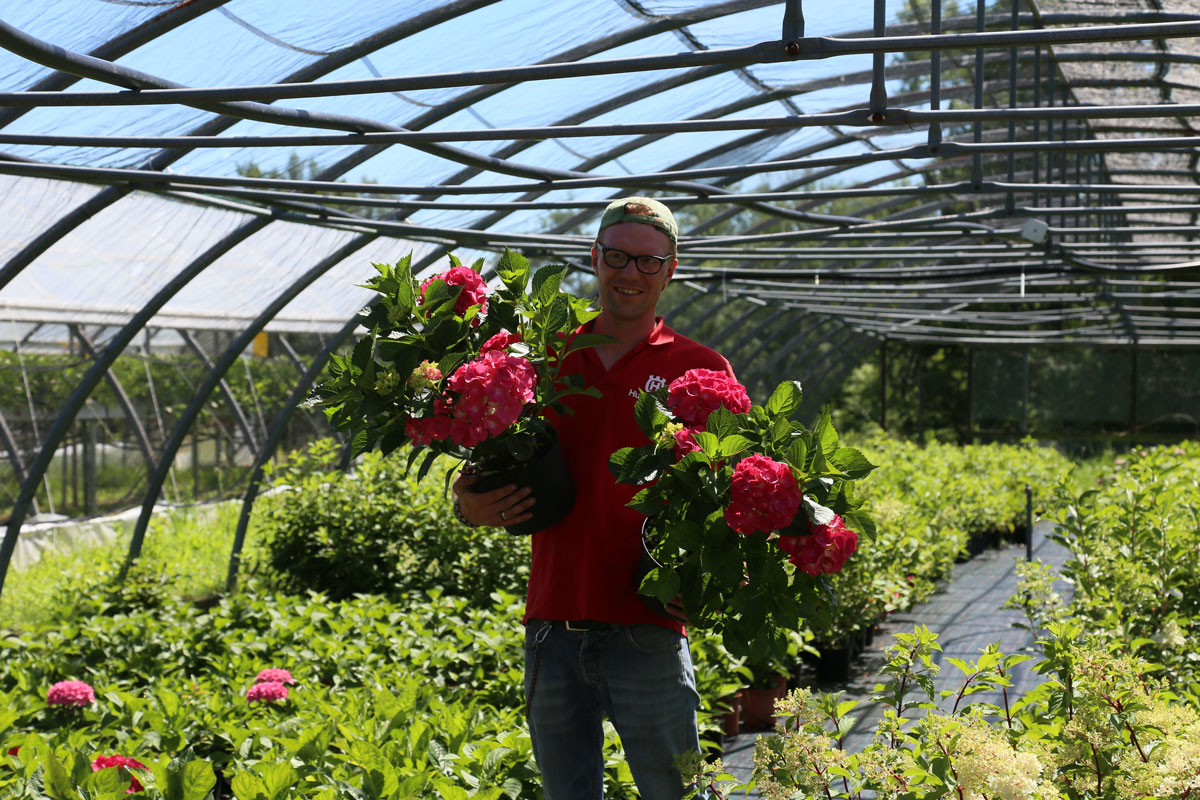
(834, 664)
(550, 481)
(646, 563)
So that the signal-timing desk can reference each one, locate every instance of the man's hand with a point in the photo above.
(498, 508)
(675, 609)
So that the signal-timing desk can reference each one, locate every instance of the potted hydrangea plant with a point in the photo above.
(451, 367)
(746, 509)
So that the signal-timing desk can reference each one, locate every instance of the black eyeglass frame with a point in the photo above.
(659, 261)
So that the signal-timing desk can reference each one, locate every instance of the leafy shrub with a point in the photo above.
(1102, 727)
(376, 531)
(1134, 565)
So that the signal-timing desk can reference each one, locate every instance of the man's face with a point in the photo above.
(627, 294)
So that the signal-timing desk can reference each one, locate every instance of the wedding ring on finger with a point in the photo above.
(502, 516)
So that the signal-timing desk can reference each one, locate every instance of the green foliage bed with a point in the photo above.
(410, 692)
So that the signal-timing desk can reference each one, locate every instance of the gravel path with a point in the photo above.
(967, 616)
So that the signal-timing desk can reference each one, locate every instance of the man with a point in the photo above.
(592, 647)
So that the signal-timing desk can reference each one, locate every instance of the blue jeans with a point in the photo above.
(639, 676)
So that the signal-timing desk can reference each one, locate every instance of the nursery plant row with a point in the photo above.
(1116, 717)
(399, 691)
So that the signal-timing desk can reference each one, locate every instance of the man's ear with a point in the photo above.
(595, 260)
(671, 271)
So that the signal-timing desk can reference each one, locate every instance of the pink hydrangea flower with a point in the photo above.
(501, 341)
(473, 292)
(275, 675)
(825, 550)
(765, 495)
(425, 431)
(491, 393)
(70, 693)
(109, 762)
(425, 375)
(685, 442)
(698, 392)
(268, 691)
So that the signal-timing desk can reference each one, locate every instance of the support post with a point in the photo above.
(878, 97)
(75, 447)
(64, 456)
(1133, 388)
(195, 463)
(883, 378)
(935, 75)
(921, 396)
(793, 22)
(977, 127)
(89, 468)
(1025, 394)
(1028, 523)
(970, 437)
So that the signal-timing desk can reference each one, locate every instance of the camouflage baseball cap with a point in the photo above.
(646, 210)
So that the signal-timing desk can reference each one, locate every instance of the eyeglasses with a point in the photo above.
(617, 259)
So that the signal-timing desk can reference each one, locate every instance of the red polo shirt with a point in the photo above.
(583, 566)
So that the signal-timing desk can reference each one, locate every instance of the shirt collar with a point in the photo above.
(661, 333)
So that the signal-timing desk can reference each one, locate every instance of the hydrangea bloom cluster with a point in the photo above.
(274, 674)
(988, 767)
(70, 693)
(685, 441)
(110, 762)
(473, 293)
(825, 550)
(430, 429)
(386, 382)
(491, 393)
(501, 341)
(267, 691)
(764, 497)
(425, 376)
(696, 393)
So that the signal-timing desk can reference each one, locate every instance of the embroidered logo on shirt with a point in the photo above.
(655, 382)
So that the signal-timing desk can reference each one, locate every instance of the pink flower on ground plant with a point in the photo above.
(491, 393)
(765, 495)
(696, 393)
(70, 693)
(109, 762)
(473, 292)
(268, 691)
(825, 550)
(275, 675)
